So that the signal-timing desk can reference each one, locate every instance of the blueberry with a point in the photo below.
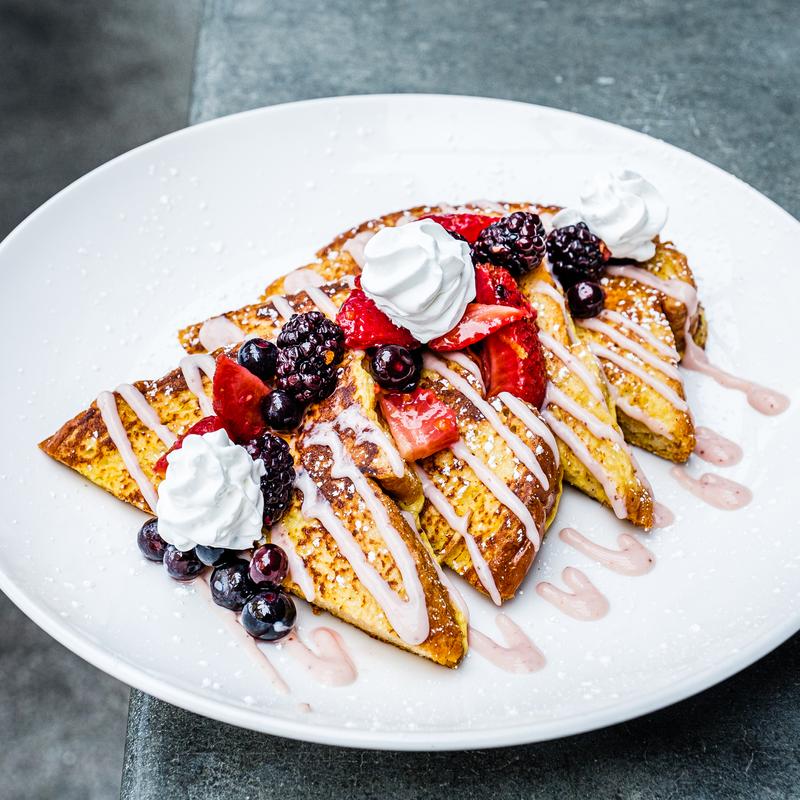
(269, 615)
(281, 411)
(150, 543)
(183, 566)
(231, 586)
(396, 368)
(212, 556)
(269, 565)
(586, 299)
(260, 357)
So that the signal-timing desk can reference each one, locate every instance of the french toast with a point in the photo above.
(633, 339)
(116, 442)
(496, 541)
(581, 411)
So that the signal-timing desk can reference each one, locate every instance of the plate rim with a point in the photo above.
(405, 740)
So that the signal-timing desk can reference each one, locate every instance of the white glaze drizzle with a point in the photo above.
(282, 306)
(571, 440)
(297, 568)
(517, 446)
(532, 422)
(146, 413)
(191, 367)
(632, 558)
(408, 618)
(584, 602)
(520, 656)
(619, 338)
(464, 361)
(541, 287)
(667, 392)
(639, 414)
(351, 418)
(107, 405)
(642, 332)
(499, 489)
(321, 300)
(460, 525)
(677, 289)
(573, 364)
(331, 664)
(299, 279)
(219, 332)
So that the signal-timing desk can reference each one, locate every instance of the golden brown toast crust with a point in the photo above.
(498, 532)
(336, 584)
(662, 427)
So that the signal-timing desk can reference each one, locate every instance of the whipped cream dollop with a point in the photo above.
(211, 494)
(624, 210)
(419, 276)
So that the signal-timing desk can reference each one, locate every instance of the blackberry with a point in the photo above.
(309, 348)
(575, 254)
(276, 485)
(586, 299)
(396, 368)
(515, 242)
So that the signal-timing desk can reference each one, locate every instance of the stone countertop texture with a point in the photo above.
(717, 78)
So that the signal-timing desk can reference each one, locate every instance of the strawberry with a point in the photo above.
(466, 225)
(237, 399)
(205, 425)
(496, 285)
(365, 325)
(420, 422)
(478, 322)
(513, 362)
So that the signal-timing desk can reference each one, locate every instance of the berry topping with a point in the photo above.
(212, 556)
(365, 325)
(478, 322)
(421, 424)
(277, 484)
(310, 347)
(205, 425)
(269, 565)
(260, 357)
(496, 286)
(576, 254)
(515, 242)
(237, 399)
(231, 586)
(464, 226)
(513, 362)
(396, 368)
(150, 543)
(269, 615)
(586, 299)
(281, 411)
(182, 565)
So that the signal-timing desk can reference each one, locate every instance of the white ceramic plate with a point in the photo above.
(96, 282)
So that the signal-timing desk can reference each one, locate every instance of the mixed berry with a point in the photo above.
(576, 254)
(278, 482)
(586, 299)
(395, 367)
(515, 242)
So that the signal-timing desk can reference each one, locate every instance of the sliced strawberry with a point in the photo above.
(495, 285)
(205, 425)
(237, 400)
(513, 362)
(478, 322)
(467, 225)
(365, 325)
(420, 422)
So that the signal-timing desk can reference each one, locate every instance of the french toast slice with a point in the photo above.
(92, 443)
(633, 339)
(581, 412)
(491, 497)
(359, 555)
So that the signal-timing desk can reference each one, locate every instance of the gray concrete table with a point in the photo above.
(717, 78)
